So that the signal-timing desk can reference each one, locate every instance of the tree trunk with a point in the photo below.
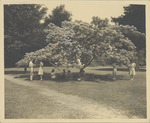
(87, 63)
(25, 69)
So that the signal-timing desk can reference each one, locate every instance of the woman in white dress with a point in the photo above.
(40, 73)
(132, 71)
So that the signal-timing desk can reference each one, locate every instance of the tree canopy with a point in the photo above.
(79, 41)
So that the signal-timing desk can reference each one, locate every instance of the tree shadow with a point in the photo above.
(110, 69)
(25, 77)
(119, 69)
(73, 77)
(106, 78)
(15, 72)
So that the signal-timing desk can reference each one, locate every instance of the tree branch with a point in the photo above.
(88, 63)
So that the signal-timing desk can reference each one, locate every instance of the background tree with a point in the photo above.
(59, 14)
(23, 31)
(100, 23)
(134, 15)
(139, 40)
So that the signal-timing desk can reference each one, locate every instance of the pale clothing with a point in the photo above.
(31, 67)
(31, 64)
(41, 69)
(53, 76)
(133, 65)
(31, 70)
(79, 64)
(132, 69)
(114, 71)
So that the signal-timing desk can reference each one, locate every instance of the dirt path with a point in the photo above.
(92, 109)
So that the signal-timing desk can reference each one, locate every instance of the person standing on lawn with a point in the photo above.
(132, 71)
(69, 77)
(114, 73)
(40, 73)
(31, 65)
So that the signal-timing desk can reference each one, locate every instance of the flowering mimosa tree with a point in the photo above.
(79, 43)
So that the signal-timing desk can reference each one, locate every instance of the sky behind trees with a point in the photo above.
(85, 10)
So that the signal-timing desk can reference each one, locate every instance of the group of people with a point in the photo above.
(81, 73)
(131, 68)
(40, 71)
(65, 74)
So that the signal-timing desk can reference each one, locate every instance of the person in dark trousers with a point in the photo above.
(81, 74)
(64, 75)
(69, 77)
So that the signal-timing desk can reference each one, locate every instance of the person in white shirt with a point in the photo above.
(31, 65)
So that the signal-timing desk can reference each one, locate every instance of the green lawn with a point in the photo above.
(123, 94)
(22, 102)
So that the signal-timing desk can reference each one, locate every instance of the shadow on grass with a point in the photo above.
(119, 69)
(98, 78)
(74, 77)
(15, 72)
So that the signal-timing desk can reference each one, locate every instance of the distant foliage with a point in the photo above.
(99, 22)
(23, 31)
(133, 15)
(142, 56)
(59, 14)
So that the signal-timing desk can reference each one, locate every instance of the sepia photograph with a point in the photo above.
(75, 60)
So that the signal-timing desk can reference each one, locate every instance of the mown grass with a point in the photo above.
(22, 102)
(123, 94)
